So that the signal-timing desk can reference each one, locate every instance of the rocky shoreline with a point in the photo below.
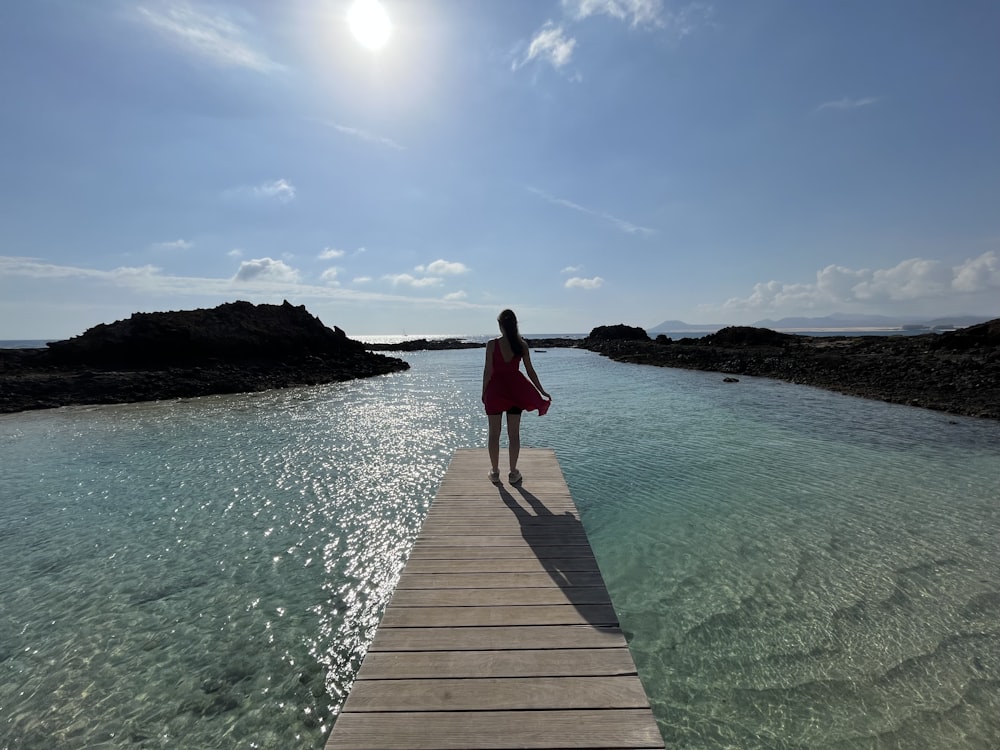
(234, 348)
(956, 372)
(240, 347)
(420, 345)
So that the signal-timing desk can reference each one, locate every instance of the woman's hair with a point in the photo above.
(508, 324)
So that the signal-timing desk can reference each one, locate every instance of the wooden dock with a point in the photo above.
(500, 633)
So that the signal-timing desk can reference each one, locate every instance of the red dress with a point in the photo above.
(509, 387)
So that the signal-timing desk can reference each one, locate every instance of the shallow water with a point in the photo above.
(793, 568)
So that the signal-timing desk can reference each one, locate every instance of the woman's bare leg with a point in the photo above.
(493, 443)
(514, 438)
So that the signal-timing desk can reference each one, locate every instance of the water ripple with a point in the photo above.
(793, 568)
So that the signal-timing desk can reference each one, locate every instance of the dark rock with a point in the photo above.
(956, 372)
(620, 332)
(234, 331)
(730, 380)
(985, 335)
(234, 348)
(749, 336)
(417, 345)
(554, 343)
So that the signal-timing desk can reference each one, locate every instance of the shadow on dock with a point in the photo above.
(561, 546)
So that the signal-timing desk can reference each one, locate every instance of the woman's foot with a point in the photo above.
(515, 476)
(494, 476)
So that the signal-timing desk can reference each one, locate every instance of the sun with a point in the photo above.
(369, 23)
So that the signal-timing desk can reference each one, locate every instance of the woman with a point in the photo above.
(506, 389)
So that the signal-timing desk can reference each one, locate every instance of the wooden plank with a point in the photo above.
(507, 565)
(471, 516)
(498, 597)
(500, 633)
(486, 638)
(498, 730)
(510, 614)
(482, 581)
(401, 665)
(499, 693)
(506, 540)
(474, 552)
(508, 525)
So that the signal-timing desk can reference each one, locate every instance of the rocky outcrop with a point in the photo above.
(233, 348)
(748, 336)
(956, 372)
(619, 332)
(418, 345)
(983, 336)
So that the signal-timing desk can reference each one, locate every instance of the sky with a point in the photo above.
(584, 162)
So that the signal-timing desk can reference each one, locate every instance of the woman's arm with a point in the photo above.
(488, 367)
(530, 369)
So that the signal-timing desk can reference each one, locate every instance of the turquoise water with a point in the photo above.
(793, 568)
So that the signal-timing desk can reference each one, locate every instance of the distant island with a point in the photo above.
(233, 348)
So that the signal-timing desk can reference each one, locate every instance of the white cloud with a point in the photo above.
(366, 135)
(329, 276)
(406, 279)
(578, 283)
(836, 282)
(214, 37)
(572, 269)
(626, 226)
(551, 44)
(847, 103)
(281, 190)
(330, 253)
(636, 12)
(455, 296)
(443, 268)
(135, 272)
(235, 253)
(174, 245)
(681, 20)
(36, 269)
(977, 274)
(361, 279)
(911, 281)
(266, 270)
(260, 280)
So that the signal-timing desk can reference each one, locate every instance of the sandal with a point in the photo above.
(494, 476)
(515, 477)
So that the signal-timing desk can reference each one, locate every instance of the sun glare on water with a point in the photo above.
(369, 23)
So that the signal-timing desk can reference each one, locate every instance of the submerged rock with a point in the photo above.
(233, 348)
